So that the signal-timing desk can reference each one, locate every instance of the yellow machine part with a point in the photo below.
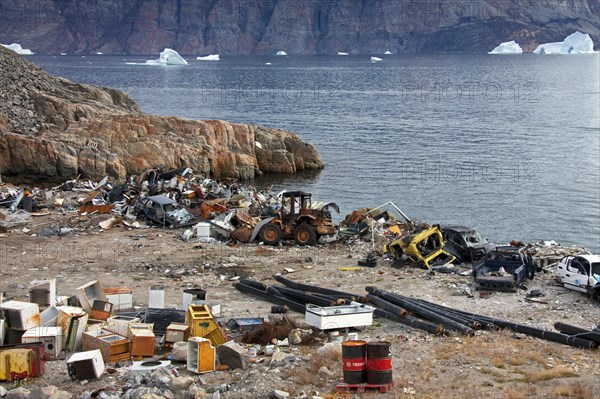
(203, 324)
(426, 246)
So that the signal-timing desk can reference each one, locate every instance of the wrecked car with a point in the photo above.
(580, 273)
(503, 269)
(465, 243)
(423, 246)
(299, 219)
(164, 211)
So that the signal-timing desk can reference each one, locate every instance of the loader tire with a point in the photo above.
(304, 235)
(270, 234)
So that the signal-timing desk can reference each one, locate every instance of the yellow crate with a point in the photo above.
(203, 324)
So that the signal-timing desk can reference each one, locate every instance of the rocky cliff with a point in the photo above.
(296, 26)
(54, 129)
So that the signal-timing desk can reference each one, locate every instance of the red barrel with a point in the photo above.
(379, 363)
(354, 362)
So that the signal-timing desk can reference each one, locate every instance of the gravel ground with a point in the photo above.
(491, 364)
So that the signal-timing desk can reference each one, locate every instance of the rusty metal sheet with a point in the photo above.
(88, 199)
(64, 320)
(242, 233)
(210, 206)
(97, 209)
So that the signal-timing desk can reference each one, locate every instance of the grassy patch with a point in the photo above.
(549, 374)
(576, 390)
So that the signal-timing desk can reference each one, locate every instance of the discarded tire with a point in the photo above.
(270, 234)
(379, 363)
(354, 362)
(304, 235)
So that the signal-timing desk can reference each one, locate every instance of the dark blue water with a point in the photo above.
(506, 144)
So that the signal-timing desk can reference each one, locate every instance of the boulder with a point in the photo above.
(233, 355)
(54, 129)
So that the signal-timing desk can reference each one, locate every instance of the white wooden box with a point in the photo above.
(333, 317)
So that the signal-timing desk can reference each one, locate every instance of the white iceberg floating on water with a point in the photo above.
(268, 63)
(99, 53)
(549, 48)
(578, 43)
(340, 53)
(63, 53)
(507, 48)
(168, 57)
(387, 52)
(16, 47)
(375, 59)
(575, 43)
(211, 57)
(280, 52)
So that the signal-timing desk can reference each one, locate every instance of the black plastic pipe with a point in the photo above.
(301, 297)
(578, 332)
(535, 332)
(390, 307)
(446, 312)
(279, 300)
(421, 311)
(325, 291)
(401, 315)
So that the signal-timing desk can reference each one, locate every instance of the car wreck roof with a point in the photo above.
(295, 193)
(161, 200)
(590, 258)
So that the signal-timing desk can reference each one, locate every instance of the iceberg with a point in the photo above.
(578, 43)
(375, 59)
(549, 48)
(575, 43)
(99, 53)
(280, 52)
(507, 48)
(387, 52)
(211, 57)
(168, 57)
(340, 53)
(268, 63)
(63, 53)
(16, 47)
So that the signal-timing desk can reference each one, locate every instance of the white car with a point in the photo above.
(580, 273)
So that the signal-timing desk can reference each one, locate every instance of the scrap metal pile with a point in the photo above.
(416, 313)
(234, 212)
(176, 199)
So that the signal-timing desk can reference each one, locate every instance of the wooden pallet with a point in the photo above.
(342, 386)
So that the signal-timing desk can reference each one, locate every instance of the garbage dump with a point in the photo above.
(417, 313)
(211, 210)
(97, 327)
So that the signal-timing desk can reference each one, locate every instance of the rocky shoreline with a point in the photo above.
(52, 129)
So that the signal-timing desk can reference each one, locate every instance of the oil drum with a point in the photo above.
(354, 362)
(379, 363)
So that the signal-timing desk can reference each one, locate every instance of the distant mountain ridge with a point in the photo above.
(295, 26)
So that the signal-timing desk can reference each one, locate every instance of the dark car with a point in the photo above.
(164, 211)
(465, 243)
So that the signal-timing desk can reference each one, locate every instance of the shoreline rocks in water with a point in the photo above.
(54, 129)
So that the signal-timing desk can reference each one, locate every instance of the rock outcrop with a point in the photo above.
(54, 129)
(296, 26)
